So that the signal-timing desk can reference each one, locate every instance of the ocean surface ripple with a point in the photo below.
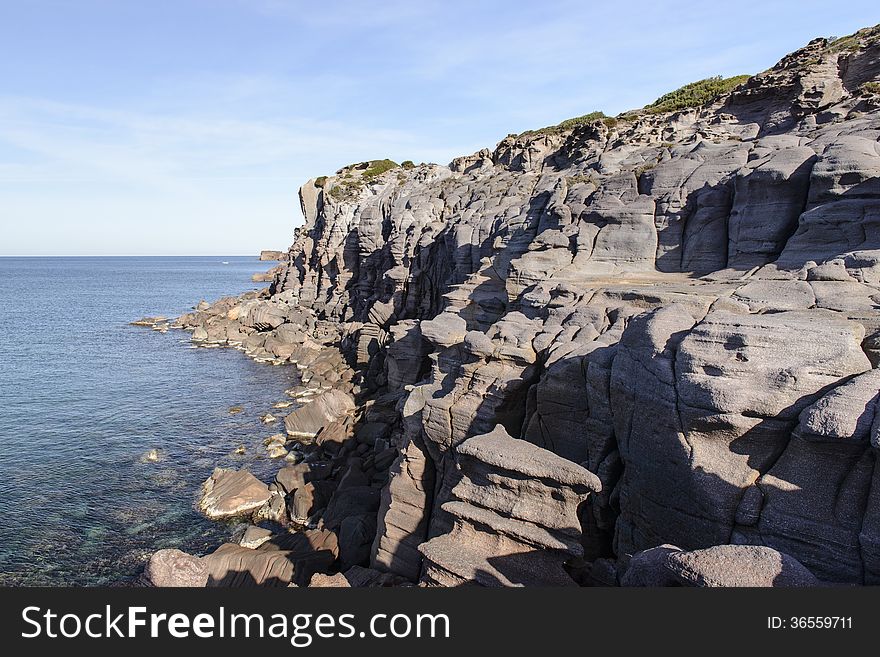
(83, 397)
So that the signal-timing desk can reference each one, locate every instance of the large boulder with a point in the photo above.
(292, 477)
(173, 568)
(769, 195)
(308, 420)
(232, 493)
(717, 566)
(278, 562)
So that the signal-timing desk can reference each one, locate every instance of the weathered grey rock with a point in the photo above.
(845, 413)
(710, 435)
(307, 421)
(770, 193)
(740, 565)
(321, 581)
(309, 499)
(275, 510)
(172, 567)
(350, 501)
(265, 316)
(254, 537)
(651, 567)
(718, 566)
(402, 519)
(296, 476)
(686, 305)
(277, 562)
(356, 534)
(515, 521)
(445, 330)
(231, 493)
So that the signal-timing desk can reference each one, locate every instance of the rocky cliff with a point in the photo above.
(660, 329)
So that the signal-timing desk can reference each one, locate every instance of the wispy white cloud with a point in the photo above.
(163, 150)
(350, 14)
(197, 116)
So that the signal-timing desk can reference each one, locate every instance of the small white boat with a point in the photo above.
(225, 262)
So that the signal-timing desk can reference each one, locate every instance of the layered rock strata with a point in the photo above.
(548, 358)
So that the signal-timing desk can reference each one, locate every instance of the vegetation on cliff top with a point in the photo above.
(378, 167)
(690, 95)
(695, 94)
(565, 126)
(854, 41)
(351, 179)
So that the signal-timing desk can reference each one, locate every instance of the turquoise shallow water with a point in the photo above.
(83, 396)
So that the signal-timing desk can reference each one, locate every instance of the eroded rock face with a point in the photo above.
(723, 397)
(586, 344)
(514, 513)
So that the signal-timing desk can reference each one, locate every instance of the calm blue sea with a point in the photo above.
(83, 396)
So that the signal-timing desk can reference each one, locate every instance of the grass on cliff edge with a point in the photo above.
(690, 95)
(565, 126)
(695, 94)
(378, 167)
(349, 184)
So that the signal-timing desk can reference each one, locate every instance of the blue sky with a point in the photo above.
(186, 126)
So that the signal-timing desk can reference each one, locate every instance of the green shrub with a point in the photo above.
(408, 164)
(695, 94)
(346, 188)
(320, 180)
(565, 126)
(843, 44)
(647, 166)
(378, 167)
(852, 42)
(870, 88)
(350, 179)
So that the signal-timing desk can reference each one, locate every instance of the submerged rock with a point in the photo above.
(149, 321)
(152, 456)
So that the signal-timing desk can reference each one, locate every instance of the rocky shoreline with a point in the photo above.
(327, 489)
(638, 351)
